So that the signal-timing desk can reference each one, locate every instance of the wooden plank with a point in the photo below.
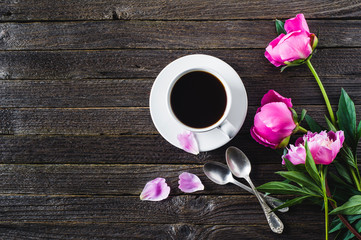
(58, 149)
(157, 9)
(120, 64)
(76, 121)
(114, 179)
(75, 93)
(98, 121)
(162, 231)
(156, 34)
(200, 210)
(83, 93)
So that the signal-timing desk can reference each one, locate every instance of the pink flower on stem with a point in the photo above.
(189, 183)
(297, 44)
(323, 146)
(155, 190)
(188, 142)
(273, 122)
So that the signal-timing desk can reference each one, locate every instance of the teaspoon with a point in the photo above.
(240, 166)
(220, 174)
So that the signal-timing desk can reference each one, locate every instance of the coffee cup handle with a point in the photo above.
(227, 128)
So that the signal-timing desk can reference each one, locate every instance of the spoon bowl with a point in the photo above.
(218, 173)
(238, 162)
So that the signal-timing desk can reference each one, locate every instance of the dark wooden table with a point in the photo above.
(77, 142)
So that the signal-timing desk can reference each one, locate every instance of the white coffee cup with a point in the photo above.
(225, 126)
(220, 131)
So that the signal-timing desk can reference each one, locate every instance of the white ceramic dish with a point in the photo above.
(169, 127)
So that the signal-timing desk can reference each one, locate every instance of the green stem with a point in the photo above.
(302, 130)
(323, 91)
(355, 179)
(325, 198)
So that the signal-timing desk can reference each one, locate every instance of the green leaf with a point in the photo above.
(291, 167)
(330, 125)
(301, 179)
(346, 116)
(276, 187)
(294, 115)
(348, 236)
(338, 182)
(351, 207)
(342, 170)
(303, 114)
(280, 27)
(348, 156)
(289, 164)
(283, 68)
(358, 132)
(358, 226)
(291, 202)
(284, 142)
(313, 125)
(345, 234)
(311, 166)
(353, 218)
(336, 227)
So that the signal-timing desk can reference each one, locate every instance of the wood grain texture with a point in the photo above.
(77, 144)
(75, 93)
(76, 121)
(164, 34)
(147, 231)
(128, 149)
(119, 64)
(131, 149)
(85, 93)
(156, 9)
(114, 179)
(200, 210)
(109, 121)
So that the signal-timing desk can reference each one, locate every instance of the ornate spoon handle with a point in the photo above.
(274, 202)
(274, 222)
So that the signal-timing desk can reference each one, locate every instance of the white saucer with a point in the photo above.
(169, 128)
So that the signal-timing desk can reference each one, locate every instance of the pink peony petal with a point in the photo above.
(296, 155)
(273, 96)
(296, 46)
(188, 142)
(262, 140)
(274, 122)
(270, 53)
(338, 139)
(296, 23)
(155, 190)
(189, 183)
(323, 146)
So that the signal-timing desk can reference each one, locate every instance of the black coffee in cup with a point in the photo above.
(198, 99)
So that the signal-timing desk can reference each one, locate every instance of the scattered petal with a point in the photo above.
(155, 190)
(188, 142)
(189, 183)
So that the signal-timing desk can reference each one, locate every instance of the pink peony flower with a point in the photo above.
(323, 146)
(188, 142)
(155, 190)
(297, 44)
(189, 183)
(273, 121)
